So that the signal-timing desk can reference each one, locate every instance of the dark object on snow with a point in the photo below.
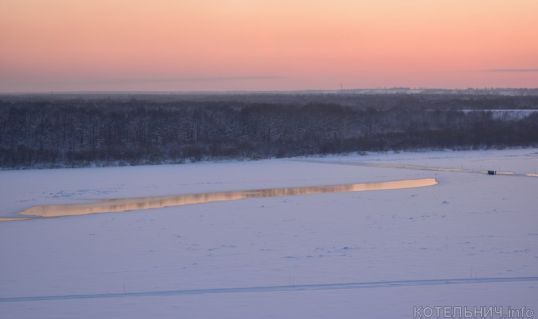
(492, 172)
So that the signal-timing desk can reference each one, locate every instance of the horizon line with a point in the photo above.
(224, 91)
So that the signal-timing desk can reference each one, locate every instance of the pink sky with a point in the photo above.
(183, 45)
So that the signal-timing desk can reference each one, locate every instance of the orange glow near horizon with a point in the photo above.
(182, 45)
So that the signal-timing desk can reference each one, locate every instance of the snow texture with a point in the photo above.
(471, 240)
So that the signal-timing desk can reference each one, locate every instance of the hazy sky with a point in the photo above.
(62, 45)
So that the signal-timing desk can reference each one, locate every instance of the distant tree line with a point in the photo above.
(78, 131)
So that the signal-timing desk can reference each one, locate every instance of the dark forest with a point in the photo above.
(82, 130)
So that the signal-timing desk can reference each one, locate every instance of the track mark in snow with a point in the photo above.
(284, 288)
(11, 219)
(419, 167)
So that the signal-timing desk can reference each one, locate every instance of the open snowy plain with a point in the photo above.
(469, 241)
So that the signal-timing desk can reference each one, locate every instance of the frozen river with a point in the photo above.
(470, 240)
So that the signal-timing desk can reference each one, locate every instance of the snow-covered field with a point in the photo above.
(370, 254)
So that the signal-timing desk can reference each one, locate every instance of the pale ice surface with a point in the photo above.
(470, 226)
